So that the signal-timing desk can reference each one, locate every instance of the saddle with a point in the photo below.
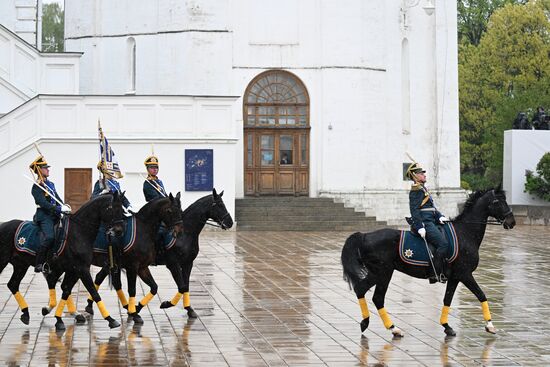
(27, 238)
(412, 247)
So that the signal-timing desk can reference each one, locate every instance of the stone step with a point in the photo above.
(314, 217)
(298, 211)
(311, 227)
(300, 214)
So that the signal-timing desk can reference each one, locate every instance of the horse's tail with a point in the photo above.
(354, 269)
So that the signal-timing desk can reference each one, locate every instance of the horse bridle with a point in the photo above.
(497, 221)
(219, 222)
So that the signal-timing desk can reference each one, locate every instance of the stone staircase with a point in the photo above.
(300, 214)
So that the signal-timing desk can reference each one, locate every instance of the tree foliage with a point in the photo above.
(539, 184)
(508, 72)
(53, 24)
(473, 16)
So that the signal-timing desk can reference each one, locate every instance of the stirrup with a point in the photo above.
(46, 268)
(442, 278)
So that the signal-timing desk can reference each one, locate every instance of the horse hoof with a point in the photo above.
(80, 319)
(137, 319)
(45, 311)
(25, 318)
(191, 313)
(138, 307)
(89, 309)
(166, 304)
(365, 324)
(397, 332)
(449, 331)
(113, 323)
(59, 326)
(490, 328)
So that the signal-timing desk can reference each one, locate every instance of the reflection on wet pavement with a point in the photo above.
(278, 299)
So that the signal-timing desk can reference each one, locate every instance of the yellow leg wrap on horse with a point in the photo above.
(145, 300)
(20, 300)
(103, 309)
(60, 307)
(96, 288)
(486, 312)
(53, 300)
(186, 299)
(71, 305)
(444, 319)
(176, 298)
(364, 308)
(385, 317)
(132, 305)
(122, 297)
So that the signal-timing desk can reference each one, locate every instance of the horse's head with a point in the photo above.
(218, 211)
(112, 214)
(499, 209)
(171, 214)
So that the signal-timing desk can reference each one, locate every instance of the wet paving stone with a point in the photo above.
(278, 299)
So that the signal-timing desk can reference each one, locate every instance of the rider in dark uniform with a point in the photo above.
(153, 187)
(107, 183)
(48, 210)
(425, 217)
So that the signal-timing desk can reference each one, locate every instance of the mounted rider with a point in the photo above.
(153, 188)
(109, 171)
(425, 217)
(107, 183)
(48, 211)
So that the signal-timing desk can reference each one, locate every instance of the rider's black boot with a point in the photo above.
(40, 259)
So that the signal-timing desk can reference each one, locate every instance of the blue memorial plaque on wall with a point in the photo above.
(199, 169)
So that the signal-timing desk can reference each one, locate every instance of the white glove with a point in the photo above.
(422, 232)
(444, 219)
(65, 209)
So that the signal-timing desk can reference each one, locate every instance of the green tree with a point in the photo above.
(539, 184)
(473, 16)
(53, 23)
(508, 72)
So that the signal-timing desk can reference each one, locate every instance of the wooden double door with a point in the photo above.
(276, 161)
(78, 186)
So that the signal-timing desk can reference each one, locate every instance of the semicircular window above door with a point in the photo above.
(276, 135)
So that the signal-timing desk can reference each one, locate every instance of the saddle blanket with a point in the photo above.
(412, 248)
(126, 242)
(27, 237)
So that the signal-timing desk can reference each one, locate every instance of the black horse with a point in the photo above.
(369, 259)
(74, 256)
(141, 254)
(180, 256)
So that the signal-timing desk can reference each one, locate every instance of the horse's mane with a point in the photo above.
(191, 207)
(470, 202)
(90, 202)
(147, 207)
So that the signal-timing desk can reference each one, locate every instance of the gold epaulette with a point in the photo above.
(416, 187)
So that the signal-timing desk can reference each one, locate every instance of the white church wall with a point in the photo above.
(523, 150)
(66, 130)
(19, 16)
(26, 72)
(349, 58)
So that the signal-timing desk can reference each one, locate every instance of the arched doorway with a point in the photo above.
(276, 135)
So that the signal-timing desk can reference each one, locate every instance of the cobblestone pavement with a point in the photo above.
(278, 299)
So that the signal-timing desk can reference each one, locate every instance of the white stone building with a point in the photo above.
(312, 97)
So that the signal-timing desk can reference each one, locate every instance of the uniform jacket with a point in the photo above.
(150, 192)
(47, 206)
(420, 198)
(112, 186)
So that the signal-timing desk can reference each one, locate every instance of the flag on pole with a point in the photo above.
(108, 163)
